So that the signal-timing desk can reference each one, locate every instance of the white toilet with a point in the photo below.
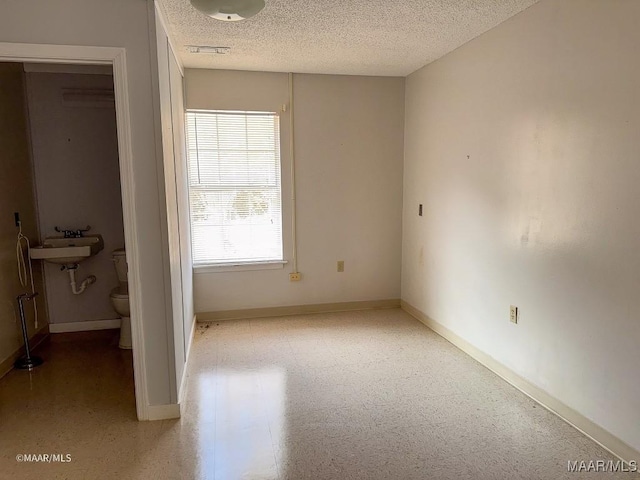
(120, 298)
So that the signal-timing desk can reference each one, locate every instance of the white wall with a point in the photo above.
(77, 176)
(182, 203)
(349, 187)
(523, 147)
(123, 23)
(171, 85)
(16, 195)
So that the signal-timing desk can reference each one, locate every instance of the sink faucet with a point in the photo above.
(78, 233)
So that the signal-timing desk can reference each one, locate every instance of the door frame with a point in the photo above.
(116, 57)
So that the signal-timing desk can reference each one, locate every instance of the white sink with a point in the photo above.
(65, 251)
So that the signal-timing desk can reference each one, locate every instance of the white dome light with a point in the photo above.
(229, 10)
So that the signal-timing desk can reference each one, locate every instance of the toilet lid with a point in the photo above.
(120, 292)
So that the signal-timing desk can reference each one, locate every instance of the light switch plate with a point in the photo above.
(513, 314)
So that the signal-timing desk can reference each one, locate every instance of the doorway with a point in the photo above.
(116, 59)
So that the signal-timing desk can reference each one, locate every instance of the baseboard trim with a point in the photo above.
(598, 434)
(163, 412)
(183, 383)
(84, 326)
(296, 310)
(34, 342)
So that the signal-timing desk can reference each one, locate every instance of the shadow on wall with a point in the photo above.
(16, 195)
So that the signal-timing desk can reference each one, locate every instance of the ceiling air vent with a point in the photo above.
(213, 50)
(88, 97)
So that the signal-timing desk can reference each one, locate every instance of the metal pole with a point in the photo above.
(25, 337)
(27, 362)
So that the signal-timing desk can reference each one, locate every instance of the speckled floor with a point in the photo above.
(359, 395)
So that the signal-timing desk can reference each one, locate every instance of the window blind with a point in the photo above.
(234, 186)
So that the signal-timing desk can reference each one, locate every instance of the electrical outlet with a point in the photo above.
(513, 314)
(295, 277)
(340, 266)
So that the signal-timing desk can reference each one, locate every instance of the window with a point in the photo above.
(234, 187)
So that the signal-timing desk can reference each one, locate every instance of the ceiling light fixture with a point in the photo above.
(229, 10)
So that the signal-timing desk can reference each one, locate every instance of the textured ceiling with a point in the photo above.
(355, 37)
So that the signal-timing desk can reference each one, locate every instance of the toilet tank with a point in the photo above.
(120, 261)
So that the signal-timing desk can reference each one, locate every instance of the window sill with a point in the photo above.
(239, 267)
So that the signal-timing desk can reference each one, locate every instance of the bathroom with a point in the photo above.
(61, 172)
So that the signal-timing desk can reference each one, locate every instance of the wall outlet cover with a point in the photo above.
(340, 266)
(295, 277)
